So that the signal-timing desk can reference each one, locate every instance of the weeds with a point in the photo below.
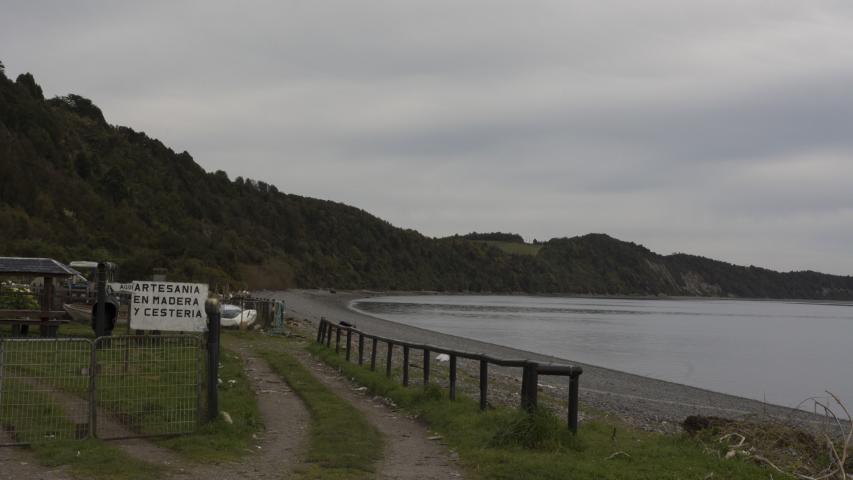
(540, 430)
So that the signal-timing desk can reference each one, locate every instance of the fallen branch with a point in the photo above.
(733, 434)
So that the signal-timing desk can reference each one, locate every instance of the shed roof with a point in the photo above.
(34, 266)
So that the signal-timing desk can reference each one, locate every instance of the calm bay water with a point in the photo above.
(781, 352)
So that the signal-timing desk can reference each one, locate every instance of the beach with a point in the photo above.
(648, 403)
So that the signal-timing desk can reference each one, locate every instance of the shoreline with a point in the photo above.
(647, 402)
(402, 293)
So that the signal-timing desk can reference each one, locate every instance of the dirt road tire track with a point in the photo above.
(409, 454)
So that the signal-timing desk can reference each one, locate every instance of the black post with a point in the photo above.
(574, 381)
(328, 333)
(373, 354)
(388, 359)
(101, 306)
(211, 307)
(360, 348)
(529, 387)
(349, 342)
(320, 331)
(426, 368)
(452, 377)
(405, 365)
(484, 384)
(337, 338)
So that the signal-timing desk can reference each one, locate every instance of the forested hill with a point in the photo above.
(72, 186)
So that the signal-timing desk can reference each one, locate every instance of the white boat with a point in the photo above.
(234, 316)
(79, 312)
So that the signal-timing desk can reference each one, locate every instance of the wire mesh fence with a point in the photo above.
(112, 387)
(43, 389)
(147, 385)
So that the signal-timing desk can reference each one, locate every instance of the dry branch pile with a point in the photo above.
(827, 455)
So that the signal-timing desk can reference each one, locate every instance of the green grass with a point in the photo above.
(41, 420)
(219, 440)
(504, 443)
(127, 389)
(94, 459)
(144, 381)
(342, 443)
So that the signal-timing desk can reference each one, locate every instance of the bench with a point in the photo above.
(47, 321)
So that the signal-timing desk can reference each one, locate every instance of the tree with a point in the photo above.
(28, 83)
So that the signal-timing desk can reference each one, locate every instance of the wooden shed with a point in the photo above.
(30, 270)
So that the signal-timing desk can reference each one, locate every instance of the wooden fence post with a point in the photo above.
(574, 381)
(484, 384)
(529, 386)
(405, 365)
(328, 334)
(373, 354)
(426, 368)
(337, 338)
(360, 348)
(349, 342)
(452, 377)
(388, 359)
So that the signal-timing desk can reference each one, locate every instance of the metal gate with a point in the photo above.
(112, 387)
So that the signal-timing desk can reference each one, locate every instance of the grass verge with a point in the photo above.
(219, 440)
(94, 459)
(342, 443)
(504, 443)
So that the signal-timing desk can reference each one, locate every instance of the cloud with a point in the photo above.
(719, 128)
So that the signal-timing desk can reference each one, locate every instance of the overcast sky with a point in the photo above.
(722, 128)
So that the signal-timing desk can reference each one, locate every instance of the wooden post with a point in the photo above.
(46, 330)
(484, 384)
(574, 381)
(405, 365)
(360, 348)
(212, 308)
(101, 306)
(529, 387)
(328, 334)
(373, 354)
(320, 330)
(426, 368)
(349, 342)
(388, 359)
(452, 376)
(337, 338)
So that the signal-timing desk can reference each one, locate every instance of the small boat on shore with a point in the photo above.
(234, 316)
(79, 312)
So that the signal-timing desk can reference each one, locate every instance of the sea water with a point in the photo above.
(782, 352)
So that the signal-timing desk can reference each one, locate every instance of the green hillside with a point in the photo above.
(72, 186)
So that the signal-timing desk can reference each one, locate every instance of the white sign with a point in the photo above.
(168, 306)
(121, 287)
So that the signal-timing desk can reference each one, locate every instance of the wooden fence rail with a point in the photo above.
(531, 370)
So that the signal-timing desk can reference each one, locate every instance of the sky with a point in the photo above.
(721, 128)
